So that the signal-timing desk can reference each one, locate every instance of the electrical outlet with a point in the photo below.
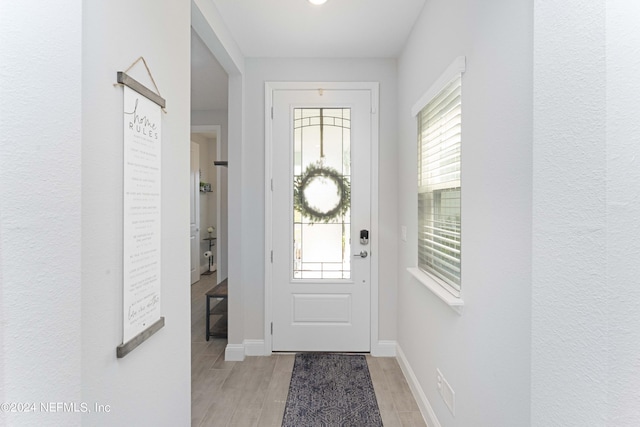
(403, 231)
(447, 393)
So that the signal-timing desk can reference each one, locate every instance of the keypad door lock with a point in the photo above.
(364, 237)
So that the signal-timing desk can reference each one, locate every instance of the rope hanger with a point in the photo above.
(150, 76)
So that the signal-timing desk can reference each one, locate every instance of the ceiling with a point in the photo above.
(298, 29)
(337, 29)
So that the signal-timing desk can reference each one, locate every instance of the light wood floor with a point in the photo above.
(254, 392)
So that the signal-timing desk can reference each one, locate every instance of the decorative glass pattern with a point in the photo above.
(322, 174)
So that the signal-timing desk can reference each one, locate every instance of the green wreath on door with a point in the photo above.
(343, 188)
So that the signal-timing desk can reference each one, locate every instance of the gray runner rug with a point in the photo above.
(331, 390)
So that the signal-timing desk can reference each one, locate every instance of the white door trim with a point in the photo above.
(373, 87)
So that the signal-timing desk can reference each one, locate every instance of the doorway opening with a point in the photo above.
(209, 207)
(207, 201)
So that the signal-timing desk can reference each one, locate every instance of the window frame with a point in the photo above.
(447, 292)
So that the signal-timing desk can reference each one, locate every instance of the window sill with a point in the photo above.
(455, 303)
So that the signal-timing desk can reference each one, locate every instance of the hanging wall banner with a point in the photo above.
(142, 143)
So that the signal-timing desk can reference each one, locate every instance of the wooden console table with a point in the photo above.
(219, 329)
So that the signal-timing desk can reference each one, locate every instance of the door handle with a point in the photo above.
(362, 254)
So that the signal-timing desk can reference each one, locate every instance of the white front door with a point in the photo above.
(194, 209)
(321, 169)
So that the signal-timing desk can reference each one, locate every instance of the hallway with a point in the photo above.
(254, 392)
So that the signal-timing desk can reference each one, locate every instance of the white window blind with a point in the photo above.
(439, 138)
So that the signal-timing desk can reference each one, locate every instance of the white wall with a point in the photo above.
(585, 338)
(484, 353)
(623, 211)
(569, 360)
(151, 385)
(62, 195)
(40, 210)
(258, 71)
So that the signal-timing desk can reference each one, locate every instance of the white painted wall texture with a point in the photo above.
(150, 386)
(485, 353)
(623, 211)
(40, 193)
(569, 372)
(259, 71)
(585, 335)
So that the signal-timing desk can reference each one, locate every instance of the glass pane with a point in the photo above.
(322, 193)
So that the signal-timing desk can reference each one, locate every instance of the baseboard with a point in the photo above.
(384, 349)
(423, 403)
(234, 353)
(257, 348)
(254, 347)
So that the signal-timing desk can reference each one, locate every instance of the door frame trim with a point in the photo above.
(373, 88)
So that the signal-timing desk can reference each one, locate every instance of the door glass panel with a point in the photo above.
(322, 193)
